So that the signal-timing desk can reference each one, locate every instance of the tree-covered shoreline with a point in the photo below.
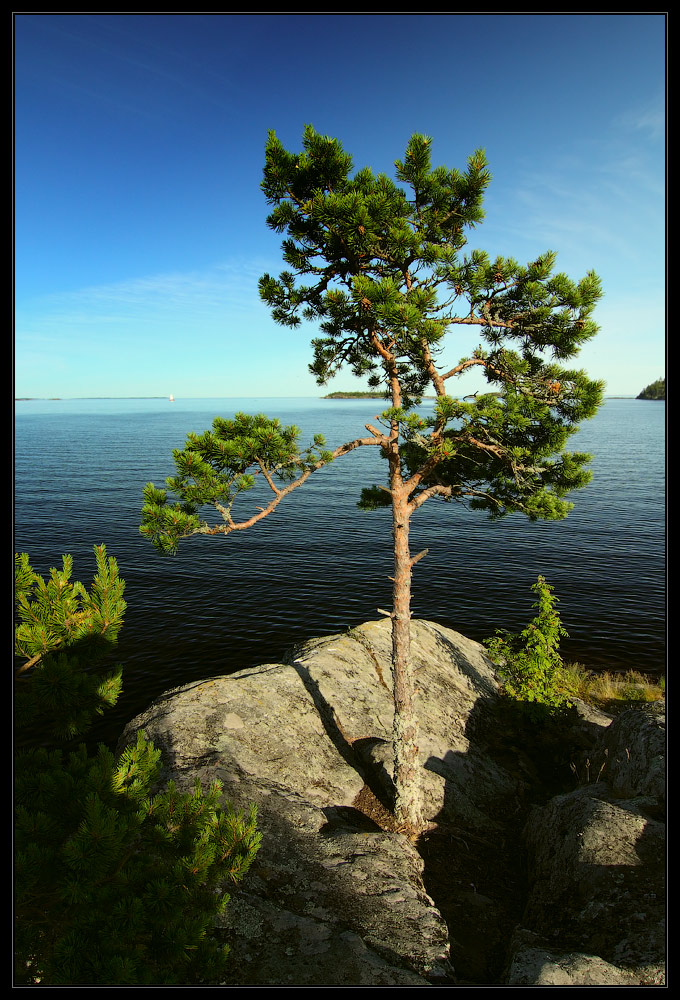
(655, 390)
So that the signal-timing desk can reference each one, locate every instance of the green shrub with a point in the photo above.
(114, 885)
(529, 664)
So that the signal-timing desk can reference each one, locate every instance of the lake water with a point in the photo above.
(318, 565)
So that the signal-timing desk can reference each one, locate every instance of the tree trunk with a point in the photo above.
(407, 806)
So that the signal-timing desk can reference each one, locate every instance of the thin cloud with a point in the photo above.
(650, 119)
(225, 287)
(609, 200)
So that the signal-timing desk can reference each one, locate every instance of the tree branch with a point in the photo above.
(267, 476)
(421, 555)
(344, 449)
(231, 525)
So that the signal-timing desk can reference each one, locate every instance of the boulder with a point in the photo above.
(333, 898)
(533, 965)
(337, 895)
(596, 859)
(634, 751)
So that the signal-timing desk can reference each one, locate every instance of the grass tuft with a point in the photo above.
(610, 689)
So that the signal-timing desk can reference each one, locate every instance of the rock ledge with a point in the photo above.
(336, 897)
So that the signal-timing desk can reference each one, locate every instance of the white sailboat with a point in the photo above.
(171, 398)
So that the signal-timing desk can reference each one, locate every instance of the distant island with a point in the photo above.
(657, 390)
(361, 395)
(355, 395)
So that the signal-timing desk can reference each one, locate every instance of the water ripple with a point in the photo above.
(318, 564)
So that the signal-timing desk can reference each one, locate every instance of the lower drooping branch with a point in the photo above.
(229, 525)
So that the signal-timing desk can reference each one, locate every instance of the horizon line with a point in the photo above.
(348, 392)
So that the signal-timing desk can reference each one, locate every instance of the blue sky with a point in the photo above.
(140, 227)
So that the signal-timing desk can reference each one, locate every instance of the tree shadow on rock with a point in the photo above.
(381, 798)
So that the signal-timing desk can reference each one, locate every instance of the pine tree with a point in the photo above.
(114, 884)
(64, 634)
(381, 269)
